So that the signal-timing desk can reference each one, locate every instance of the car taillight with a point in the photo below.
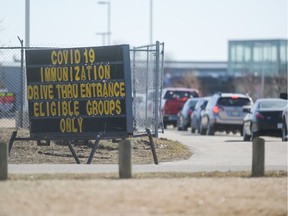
(216, 109)
(259, 116)
(184, 99)
(189, 112)
(234, 97)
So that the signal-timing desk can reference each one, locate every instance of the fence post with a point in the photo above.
(125, 159)
(258, 157)
(157, 87)
(3, 161)
(22, 82)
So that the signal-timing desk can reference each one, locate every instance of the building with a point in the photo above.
(207, 76)
(258, 66)
(257, 57)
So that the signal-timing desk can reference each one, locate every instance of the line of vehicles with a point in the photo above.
(7, 102)
(225, 112)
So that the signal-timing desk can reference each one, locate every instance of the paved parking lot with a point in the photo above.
(228, 151)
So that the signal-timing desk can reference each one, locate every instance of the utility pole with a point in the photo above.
(27, 23)
(151, 21)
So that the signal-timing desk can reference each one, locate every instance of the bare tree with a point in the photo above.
(189, 80)
(251, 85)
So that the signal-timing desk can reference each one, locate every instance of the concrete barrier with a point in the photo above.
(125, 159)
(3, 161)
(258, 157)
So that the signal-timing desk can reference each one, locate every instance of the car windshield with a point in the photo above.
(272, 104)
(179, 94)
(229, 101)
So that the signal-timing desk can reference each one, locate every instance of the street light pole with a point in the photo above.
(109, 23)
(27, 23)
(103, 34)
(108, 19)
(151, 21)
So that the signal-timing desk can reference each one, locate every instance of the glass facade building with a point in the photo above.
(257, 57)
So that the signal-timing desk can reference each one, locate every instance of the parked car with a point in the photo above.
(184, 116)
(284, 118)
(264, 118)
(285, 123)
(197, 114)
(139, 106)
(172, 102)
(7, 102)
(224, 112)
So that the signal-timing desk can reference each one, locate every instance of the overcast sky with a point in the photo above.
(192, 30)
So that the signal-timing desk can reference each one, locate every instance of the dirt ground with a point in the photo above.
(145, 194)
(152, 196)
(28, 152)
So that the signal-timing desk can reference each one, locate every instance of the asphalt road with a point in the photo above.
(228, 152)
(220, 152)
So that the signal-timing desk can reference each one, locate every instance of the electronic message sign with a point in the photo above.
(79, 93)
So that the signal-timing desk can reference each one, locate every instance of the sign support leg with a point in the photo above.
(95, 146)
(152, 147)
(68, 142)
(12, 139)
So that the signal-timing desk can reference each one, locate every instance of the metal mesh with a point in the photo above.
(146, 72)
(10, 84)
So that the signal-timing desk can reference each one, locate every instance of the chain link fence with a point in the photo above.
(146, 72)
(10, 86)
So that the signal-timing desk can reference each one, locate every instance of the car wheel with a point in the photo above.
(179, 128)
(198, 128)
(245, 136)
(165, 125)
(193, 130)
(202, 131)
(185, 127)
(253, 135)
(210, 129)
(284, 131)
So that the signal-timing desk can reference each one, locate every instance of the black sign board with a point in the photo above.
(79, 93)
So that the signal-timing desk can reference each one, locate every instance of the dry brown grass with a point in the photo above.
(149, 196)
(27, 152)
(202, 193)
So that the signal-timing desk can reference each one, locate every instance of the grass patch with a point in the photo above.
(166, 175)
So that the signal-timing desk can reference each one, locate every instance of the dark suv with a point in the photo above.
(224, 112)
(184, 116)
(172, 102)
